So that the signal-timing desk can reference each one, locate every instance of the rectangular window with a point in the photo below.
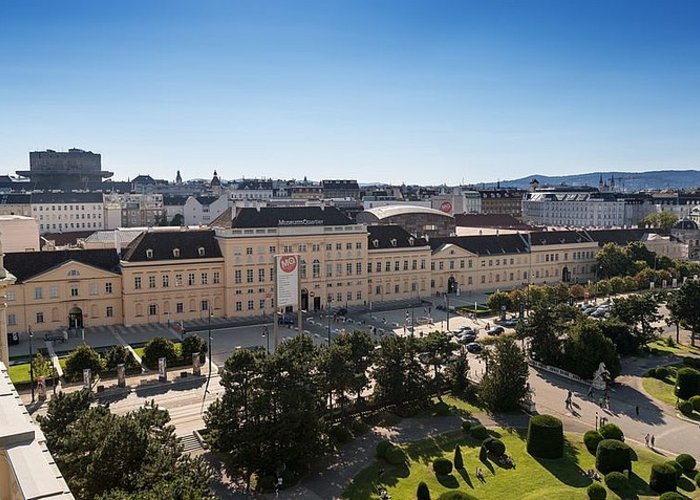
(397, 265)
(338, 246)
(137, 282)
(11, 296)
(452, 264)
(273, 249)
(237, 276)
(205, 305)
(205, 278)
(348, 296)
(422, 263)
(329, 247)
(396, 288)
(339, 297)
(108, 287)
(469, 280)
(109, 311)
(414, 265)
(151, 282)
(358, 268)
(190, 279)
(338, 269)
(152, 309)
(387, 266)
(441, 265)
(38, 293)
(369, 267)
(179, 307)
(249, 275)
(166, 280)
(239, 306)
(40, 317)
(249, 251)
(461, 264)
(359, 295)
(261, 275)
(11, 319)
(262, 304)
(216, 278)
(178, 279)
(74, 290)
(251, 305)
(405, 265)
(53, 291)
(93, 289)
(348, 269)
(329, 270)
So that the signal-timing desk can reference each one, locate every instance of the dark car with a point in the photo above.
(467, 338)
(496, 330)
(509, 323)
(474, 348)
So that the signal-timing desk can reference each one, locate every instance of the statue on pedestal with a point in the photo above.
(600, 377)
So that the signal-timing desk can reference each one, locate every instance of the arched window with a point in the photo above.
(316, 268)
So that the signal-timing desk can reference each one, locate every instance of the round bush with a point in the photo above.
(663, 478)
(340, 433)
(677, 467)
(616, 481)
(697, 478)
(611, 431)
(442, 409)
(395, 455)
(456, 495)
(118, 355)
(442, 466)
(383, 447)
(494, 446)
(422, 493)
(685, 407)
(661, 372)
(596, 491)
(613, 455)
(695, 401)
(466, 425)
(159, 347)
(687, 383)
(83, 357)
(193, 343)
(692, 362)
(479, 432)
(545, 437)
(591, 440)
(266, 484)
(686, 461)
(672, 495)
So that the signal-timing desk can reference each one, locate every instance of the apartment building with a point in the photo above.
(133, 210)
(204, 209)
(68, 212)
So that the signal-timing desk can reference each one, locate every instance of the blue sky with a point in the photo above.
(393, 91)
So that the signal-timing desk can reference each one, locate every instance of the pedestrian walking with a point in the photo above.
(636, 410)
(653, 441)
(600, 401)
(590, 391)
(646, 440)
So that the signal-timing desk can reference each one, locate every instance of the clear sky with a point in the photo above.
(378, 90)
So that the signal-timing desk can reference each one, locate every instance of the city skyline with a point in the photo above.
(391, 92)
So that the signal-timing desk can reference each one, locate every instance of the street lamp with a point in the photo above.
(31, 359)
(210, 315)
(330, 299)
(266, 335)
(447, 309)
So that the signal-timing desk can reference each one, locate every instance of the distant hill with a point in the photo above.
(628, 181)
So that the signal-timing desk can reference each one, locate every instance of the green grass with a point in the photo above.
(661, 347)
(531, 479)
(139, 351)
(462, 406)
(19, 373)
(662, 389)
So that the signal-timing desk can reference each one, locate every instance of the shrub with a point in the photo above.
(81, 358)
(458, 460)
(455, 495)
(466, 425)
(692, 362)
(616, 481)
(697, 478)
(422, 493)
(687, 383)
(611, 431)
(672, 495)
(695, 401)
(591, 440)
(479, 432)
(545, 437)
(395, 455)
(685, 407)
(686, 461)
(442, 466)
(193, 343)
(663, 478)
(340, 433)
(596, 491)
(613, 455)
(495, 447)
(442, 409)
(118, 355)
(265, 484)
(159, 347)
(662, 372)
(677, 467)
(382, 447)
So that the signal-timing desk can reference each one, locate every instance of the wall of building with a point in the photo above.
(19, 234)
(398, 274)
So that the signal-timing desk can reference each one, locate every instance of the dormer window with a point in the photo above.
(73, 272)
(149, 253)
(176, 252)
(200, 251)
(393, 242)
(411, 241)
(375, 243)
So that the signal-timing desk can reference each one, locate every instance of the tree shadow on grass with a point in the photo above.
(428, 449)
(638, 486)
(448, 480)
(465, 477)
(566, 469)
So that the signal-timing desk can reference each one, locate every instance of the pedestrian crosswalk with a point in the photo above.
(191, 443)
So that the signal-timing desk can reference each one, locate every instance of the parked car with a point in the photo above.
(467, 338)
(509, 323)
(465, 329)
(474, 348)
(587, 311)
(496, 330)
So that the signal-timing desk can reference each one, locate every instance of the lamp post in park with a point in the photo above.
(31, 359)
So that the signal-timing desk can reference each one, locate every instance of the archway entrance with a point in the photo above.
(451, 285)
(304, 299)
(565, 275)
(75, 318)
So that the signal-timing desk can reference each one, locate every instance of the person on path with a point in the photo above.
(636, 410)
(653, 441)
(646, 440)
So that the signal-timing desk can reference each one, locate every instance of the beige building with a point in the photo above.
(172, 276)
(6, 280)
(19, 233)
(63, 289)
(332, 252)
(15, 204)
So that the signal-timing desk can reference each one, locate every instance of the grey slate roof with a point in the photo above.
(289, 216)
(391, 236)
(162, 243)
(67, 197)
(26, 265)
(485, 244)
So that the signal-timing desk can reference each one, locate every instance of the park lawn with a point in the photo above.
(531, 479)
(139, 351)
(462, 406)
(661, 347)
(19, 373)
(662, 389)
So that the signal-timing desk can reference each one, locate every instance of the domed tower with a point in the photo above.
(178, 178)
(215, 184)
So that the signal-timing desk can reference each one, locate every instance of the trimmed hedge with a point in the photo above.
(383, 447)
(616, 481)
(395, 455)
(611, 431)
(479, 432)
(685, 407)
(494, 446)
(687, 383)
(660, 372)
(692, 362)
(422, 493)
(686, 461)
(442, 409)
(677, 467)
(697, 478)
(663, 478)
(545, 437)
(695, 401)
(442, 466)
(456, 495)
(672, 495)
(591, 440)
(597, 491)
(466, 425)
(613, 455)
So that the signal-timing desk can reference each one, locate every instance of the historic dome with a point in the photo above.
(215, 180)
(686, 224)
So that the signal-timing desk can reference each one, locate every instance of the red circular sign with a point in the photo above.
(446, 207)
(288, 263)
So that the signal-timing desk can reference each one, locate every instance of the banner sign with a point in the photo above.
(87, 378)
(162, 373)
(287, 280)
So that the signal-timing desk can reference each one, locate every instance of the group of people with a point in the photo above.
(591, 474)
(506, 461)
(650, 440)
